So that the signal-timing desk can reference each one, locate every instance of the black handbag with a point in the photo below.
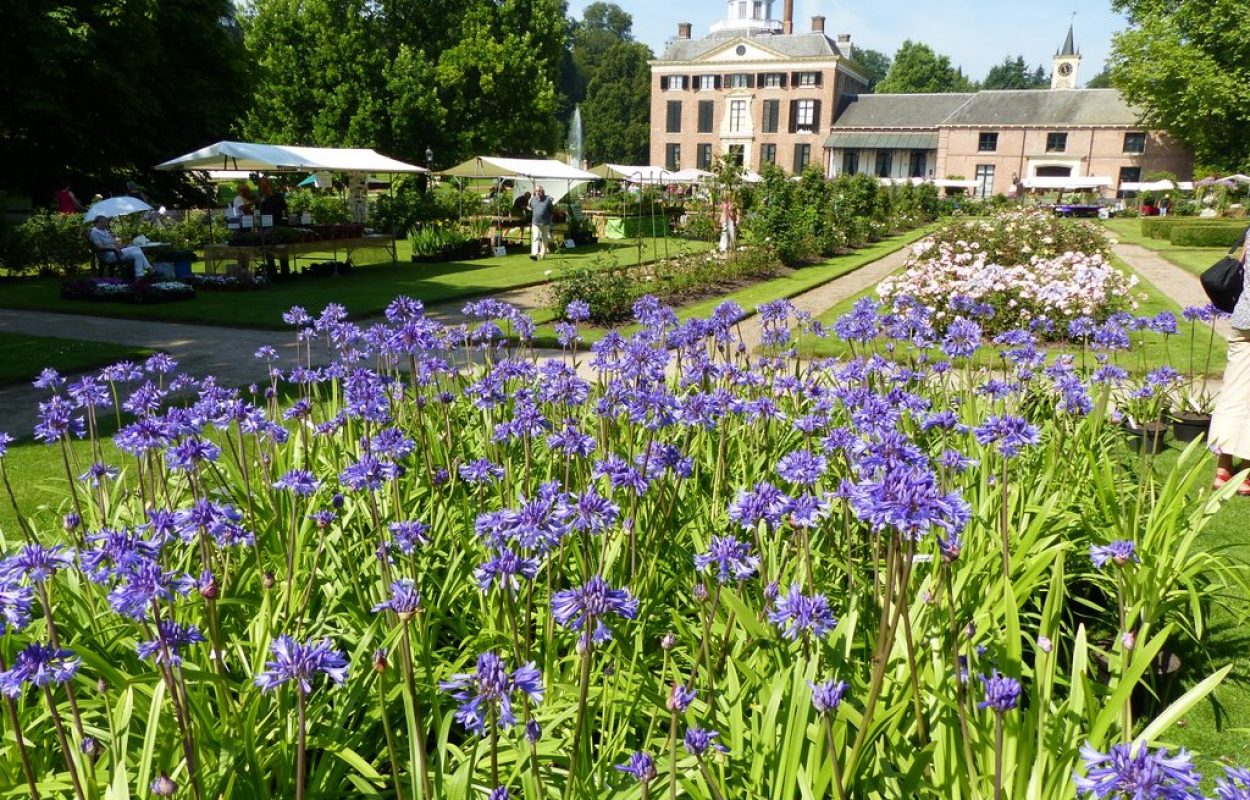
(1224, 281)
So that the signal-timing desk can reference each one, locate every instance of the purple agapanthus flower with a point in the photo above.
(171, 638)
(731, 558)
(799, 615)
(404, 600)
(38, 664)
(36, 562)
(480, 471)
(408, 535)
(827, 695)
(1235, 785)
(300, 662)
(765, 503)
(577, 311)
(505, 569)
(592, 601)
(486, 695)
(680, 697)
(1010, 434)
(143, 583)
(1002, 693)
(1135, 772)
(698, 741)
(1119, 552)
(641, 765)
(801, 467)
(298, 481)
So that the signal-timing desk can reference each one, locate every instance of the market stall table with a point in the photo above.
(216, 254)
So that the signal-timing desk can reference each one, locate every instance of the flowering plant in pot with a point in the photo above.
(1192, 402)
(1143, 406)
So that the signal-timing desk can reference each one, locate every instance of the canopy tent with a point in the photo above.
(621, 172)
(751, 177)
(556, 177)
(252, 157)
(1069, 183)
(1155, 186)
(956, 183)
(688, 175)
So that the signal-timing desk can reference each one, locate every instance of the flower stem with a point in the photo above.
(60, 735)
(301, 744)
(583, 693)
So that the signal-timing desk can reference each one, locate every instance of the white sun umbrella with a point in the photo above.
(115, 207)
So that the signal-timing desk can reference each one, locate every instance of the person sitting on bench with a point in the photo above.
(111, 253)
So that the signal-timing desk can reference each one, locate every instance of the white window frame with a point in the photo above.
(771, 80)
(984, 175)
(738, 80)
(737, 115)
(676, 83)
(707, 83)
(807, 78)
(805, 116)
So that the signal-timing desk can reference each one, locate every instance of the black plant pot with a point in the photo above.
(1187, 427)
(1148, 439)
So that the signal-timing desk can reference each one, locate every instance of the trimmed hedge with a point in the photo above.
(1161, 227)
(1207, 235)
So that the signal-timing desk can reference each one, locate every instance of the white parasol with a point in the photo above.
(115, 207)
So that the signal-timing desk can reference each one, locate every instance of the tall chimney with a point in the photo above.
(787, 23)
(683, 30)
(844, 44)
(818, 24)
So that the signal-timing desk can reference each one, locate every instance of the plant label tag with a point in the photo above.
(246, 222)
(501, 251)
(266, 220)
(569, 244)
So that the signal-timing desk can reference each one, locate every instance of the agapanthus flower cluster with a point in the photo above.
(486, 695)
(592, 602)
(300, 663)
(1136, 772)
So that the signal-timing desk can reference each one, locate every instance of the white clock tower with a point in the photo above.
(1067, 61)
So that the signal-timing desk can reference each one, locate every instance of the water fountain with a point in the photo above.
(575, 138)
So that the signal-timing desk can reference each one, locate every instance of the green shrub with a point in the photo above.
(329, 209)
(53, 242)
(607, 287)
(1207, 235)
(1161, 227)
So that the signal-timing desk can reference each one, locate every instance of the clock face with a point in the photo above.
(1065, 69)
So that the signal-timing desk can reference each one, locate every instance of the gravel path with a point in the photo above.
(824, 297)
(1179, 284)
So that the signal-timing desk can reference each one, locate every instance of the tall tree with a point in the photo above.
(875, 63)
(1100, 81)
(1013, 73)
(1187, 64)
(917, 69)
(101, 90)
(616, 113)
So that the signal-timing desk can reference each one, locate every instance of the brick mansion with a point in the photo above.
(757, 89)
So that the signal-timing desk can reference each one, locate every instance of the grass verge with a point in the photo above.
(1191, 259)
(27, 356)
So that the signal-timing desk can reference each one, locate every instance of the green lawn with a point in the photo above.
(365, 292)
(789, 285)
(26, 356)
(1153, 351)
(1191, 259)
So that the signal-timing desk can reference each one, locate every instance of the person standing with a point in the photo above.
(67, 202)
(728, 224)
(1230, 424)
(110, 252)
(543, 209)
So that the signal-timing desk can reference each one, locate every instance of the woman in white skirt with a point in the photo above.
(1230, 424)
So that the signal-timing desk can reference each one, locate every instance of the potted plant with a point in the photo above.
(1192, 402)
(1143, 416)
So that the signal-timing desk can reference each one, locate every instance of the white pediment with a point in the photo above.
(729, 53)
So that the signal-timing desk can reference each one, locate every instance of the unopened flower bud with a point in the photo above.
(379, 660)
(90, 747)
(1045, 644)
(207, 586)
(164, 786)
(533, 731)
(267, 580)
(667, 641)
(970, 630)
(1128, 640)
(72, 520)
(101, 686)
(700, 592)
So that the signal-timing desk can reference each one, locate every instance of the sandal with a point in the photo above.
(1244, 489)
(1222, 476)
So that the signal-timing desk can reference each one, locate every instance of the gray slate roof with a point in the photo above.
(1034, 108)
(1071, 107)
(900, 110)
(795, 45)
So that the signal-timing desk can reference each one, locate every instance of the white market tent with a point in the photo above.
(644, 174)
(253, 157)
(556, 177)
(1067, 183)
(956, 183)
(1155, 186)
(689, 175)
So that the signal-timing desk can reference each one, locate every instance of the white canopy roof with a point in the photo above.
(645, 174)
(1155, 186)
(956, 183)
(1072, 183)
(556, 177)
(688, 175)
(254, 157)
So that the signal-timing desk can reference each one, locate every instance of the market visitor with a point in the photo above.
(728, 224)
(110, 252)
(272, 202)
(1230, 424)
(543, 209)
(67, 202)
(243, 201)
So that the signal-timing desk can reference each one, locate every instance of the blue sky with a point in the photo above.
(976, 34)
